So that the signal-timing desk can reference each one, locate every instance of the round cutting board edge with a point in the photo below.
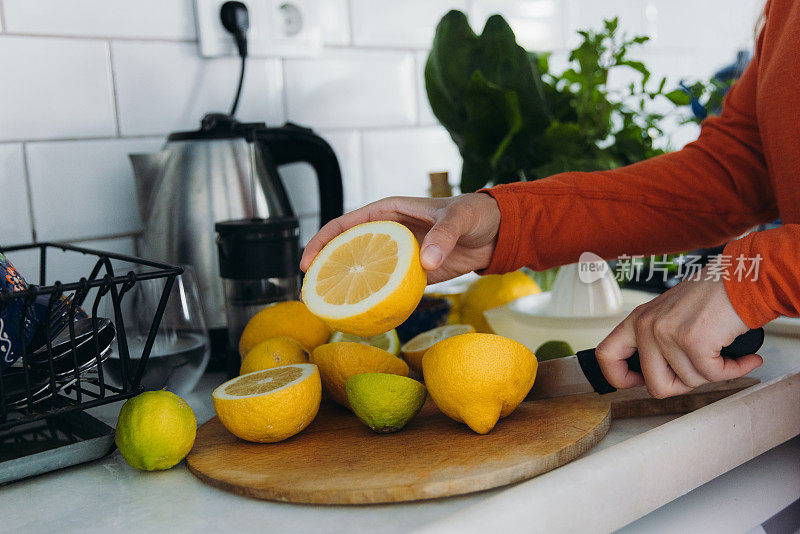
(221, 472)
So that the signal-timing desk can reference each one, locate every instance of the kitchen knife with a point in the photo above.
(581, 373)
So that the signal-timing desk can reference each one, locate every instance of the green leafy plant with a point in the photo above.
(513, 119)
(707, 97)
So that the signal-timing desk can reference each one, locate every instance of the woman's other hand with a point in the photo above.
(678, 335)
(456, 235)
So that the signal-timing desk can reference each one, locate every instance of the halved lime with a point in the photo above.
(550, 350)
(385, 402)
(387, 341)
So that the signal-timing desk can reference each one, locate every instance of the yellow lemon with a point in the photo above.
(155, 430)
(478, 378)
(366, 280)
(290, 318)
(339, 361)
(387, 341)
(273, 352)
(416, 347)
(271, 405)
(491, 291)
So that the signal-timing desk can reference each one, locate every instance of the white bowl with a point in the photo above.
(526, 320)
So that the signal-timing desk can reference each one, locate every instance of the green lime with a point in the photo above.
(155, 430)
(550, 350)
(385, 402)
(387, 341)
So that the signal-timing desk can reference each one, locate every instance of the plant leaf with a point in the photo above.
(679, 97)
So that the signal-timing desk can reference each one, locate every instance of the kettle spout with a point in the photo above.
(147, 169)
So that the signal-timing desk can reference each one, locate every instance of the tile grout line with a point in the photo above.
(350, 26)
(91, 138)
(3, 21)
(284, 92)
(99, 37)
(29, 190)
(362, 178)
(417, 97)
(114, 92)
(363, 156)
(152, 135)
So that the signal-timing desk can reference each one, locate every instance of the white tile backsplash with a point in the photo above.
(334, 21)
(537, 24)
(69, 266)
(424, 110)
(308, 227)
(352, 89)
(163, 87)
(15, 222)
(52, 88)
(406, 24)
(301, 182)
(146, 19)
(590, 15)
(694, 27)
(82, 189)
(84, 82)
(397, 162)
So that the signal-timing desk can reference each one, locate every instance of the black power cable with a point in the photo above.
(236, 20)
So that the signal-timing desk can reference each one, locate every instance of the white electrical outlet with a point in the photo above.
(286, 28)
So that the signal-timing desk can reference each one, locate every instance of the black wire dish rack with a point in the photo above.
(44, 395)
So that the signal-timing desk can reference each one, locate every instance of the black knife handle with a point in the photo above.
(747, 343)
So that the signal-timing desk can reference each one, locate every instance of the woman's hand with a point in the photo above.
(679, 335)
(457, 235)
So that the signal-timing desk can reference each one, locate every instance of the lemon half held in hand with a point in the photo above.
(366, 280)
(271, 405)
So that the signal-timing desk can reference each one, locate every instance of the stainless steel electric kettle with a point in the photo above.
(225, 170)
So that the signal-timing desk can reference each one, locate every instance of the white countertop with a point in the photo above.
(641, 465)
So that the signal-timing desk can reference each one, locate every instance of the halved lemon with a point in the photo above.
(270, 405)
(339, 361)
(366, 280)
(415, 349)
(387, 341)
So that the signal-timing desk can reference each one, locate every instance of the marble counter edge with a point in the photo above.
(604, 491)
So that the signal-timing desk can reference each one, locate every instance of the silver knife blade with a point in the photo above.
(558, 378)
(566, 376)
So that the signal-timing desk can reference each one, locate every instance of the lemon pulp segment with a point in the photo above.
(357, 269)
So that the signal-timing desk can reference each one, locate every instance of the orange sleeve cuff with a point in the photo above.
(745, 293)
(504, 257)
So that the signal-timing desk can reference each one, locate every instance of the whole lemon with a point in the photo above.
(340, 360)
(491, 291)
(273, 352)
(291, 318)
(155, 430)
(478, 378)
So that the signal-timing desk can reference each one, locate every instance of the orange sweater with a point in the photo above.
(743, 170)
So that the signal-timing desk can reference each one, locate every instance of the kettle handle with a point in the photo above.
(292, 143)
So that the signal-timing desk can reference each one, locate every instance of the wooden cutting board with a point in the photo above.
(338, 460)
(636, 402)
